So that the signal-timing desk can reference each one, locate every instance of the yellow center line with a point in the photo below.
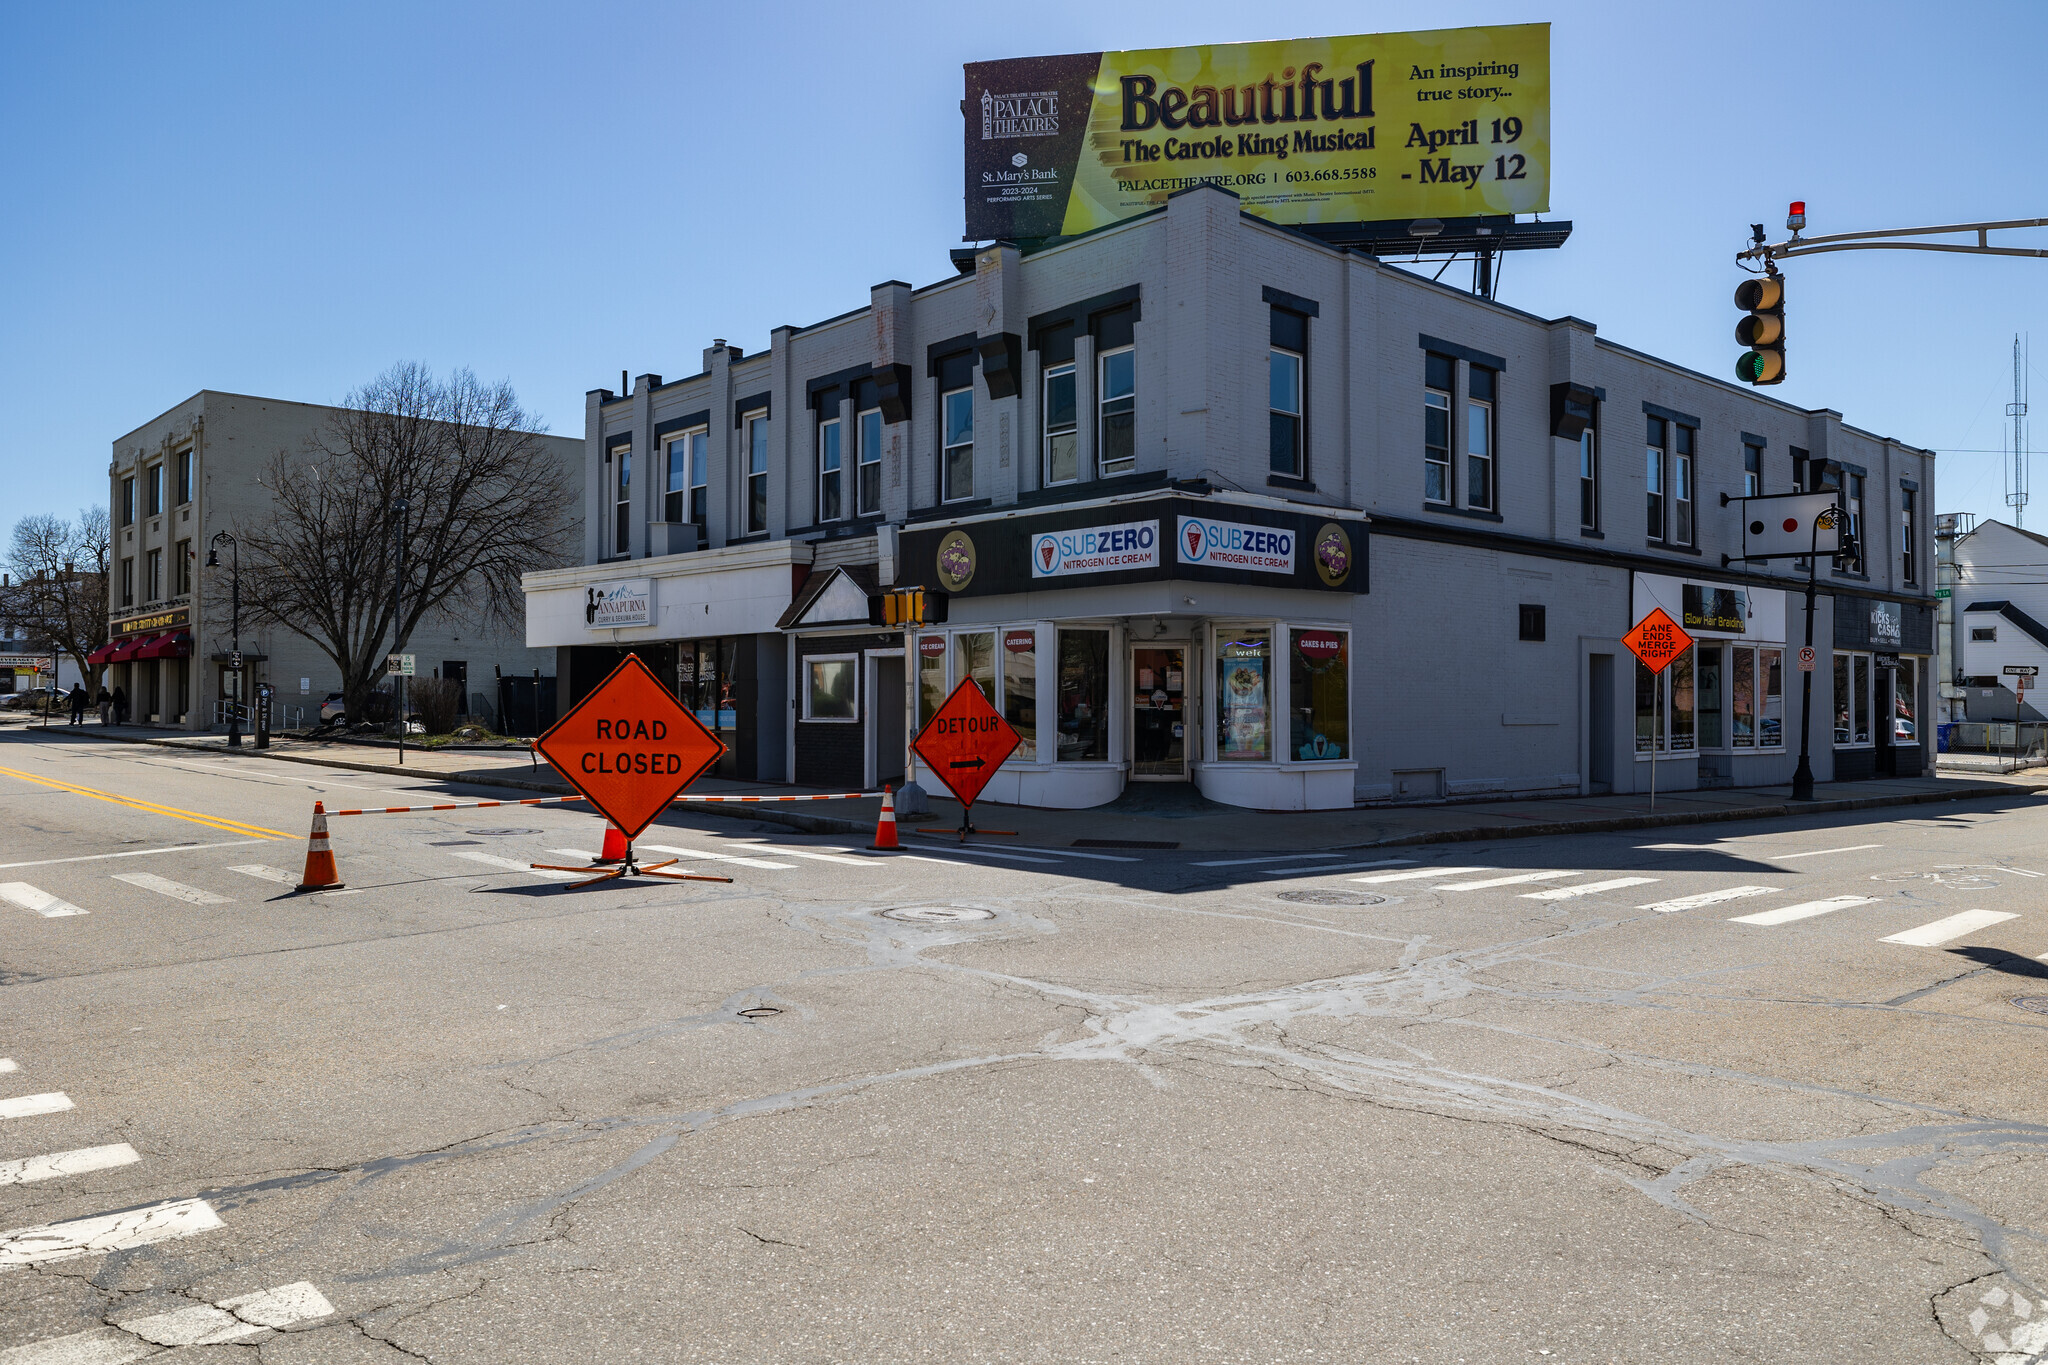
(193, 817)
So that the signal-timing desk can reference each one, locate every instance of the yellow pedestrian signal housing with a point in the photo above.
(1763, 331)
(908, 607)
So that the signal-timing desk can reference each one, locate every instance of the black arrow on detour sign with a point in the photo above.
(968, 763)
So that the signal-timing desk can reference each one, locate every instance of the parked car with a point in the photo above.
(331, 710)
(29, 699)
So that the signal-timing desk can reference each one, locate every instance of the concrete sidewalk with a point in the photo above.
(1146, 816)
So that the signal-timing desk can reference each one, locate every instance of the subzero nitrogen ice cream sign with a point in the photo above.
(1371, 127)
(1095, 549)
(1234, 545)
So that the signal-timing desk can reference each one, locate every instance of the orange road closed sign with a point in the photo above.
(965, 741)
(1657, 640)
(630, 746)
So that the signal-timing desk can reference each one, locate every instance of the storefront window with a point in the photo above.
(931, 677)
(828, 688)
(1682, 695)
(1712, 733)
(1665, 707)
(1905, 719)
(1742, 696)
(1020, 689)
(974, 656)
(1319, 688)
(1852, 699)
(1861, 674)
(1770, 670)
(1243, 691)
(1084, 697)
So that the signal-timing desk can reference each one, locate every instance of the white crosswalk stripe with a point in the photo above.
(974, 851)
(40, 901)
(817, 855)
(106, 1232)
(1325, 869)
(268, 874)
(1786, 914)
(7, 1064)
(29, 1169)
(28, 1106)
(511, 865)
(1516, 880)
(1731, 893)
(1379, 877)
(1816, 852)
(1955, 926)
(164, 886)
(1247, 862)
(235, 1319)
(715, 857)
(1565, 893)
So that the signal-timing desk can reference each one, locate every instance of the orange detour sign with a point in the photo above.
(1657, 640)
(630, 746)
(964, 743)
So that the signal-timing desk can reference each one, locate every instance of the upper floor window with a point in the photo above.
(1853, 500)
(756, 491)
(153, 576)
(622, 499)
(1684, 526)
(128, 501)
(184, 477)
(868, 462)
(1479, 472)
(956, 458)
(128, 581)
(831, 505)
(1589, 478)
(181, 571)
(1062, 427)
(156, 489)
(1116, 442)
(1908, 535)
(1284, 365)
(1654, 443)
(687, 493)
(1752, 470)
(1438, 372)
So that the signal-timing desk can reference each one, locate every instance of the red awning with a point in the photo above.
(103, 653)
(129, 648)
(176, 644)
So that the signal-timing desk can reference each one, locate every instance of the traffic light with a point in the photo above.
(1763, 331)
(907, 607)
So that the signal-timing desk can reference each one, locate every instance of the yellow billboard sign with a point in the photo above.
(1447, 123)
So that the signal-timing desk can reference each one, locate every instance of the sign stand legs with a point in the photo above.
(628, 867)
(967, 826)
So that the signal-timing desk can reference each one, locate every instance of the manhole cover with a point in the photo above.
(1332, 898)
(939, 914)
(2037, 1003)
(759, 1011)
(501, 831)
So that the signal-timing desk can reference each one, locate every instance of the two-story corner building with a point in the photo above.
(2000, 600)
(1210, 501)
(192, 472)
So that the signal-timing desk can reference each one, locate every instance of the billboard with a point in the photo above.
(1439, 124)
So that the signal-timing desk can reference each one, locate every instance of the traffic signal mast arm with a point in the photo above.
(1796, 245)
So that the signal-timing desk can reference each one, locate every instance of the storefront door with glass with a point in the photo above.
(1159, 750)
(704, 683)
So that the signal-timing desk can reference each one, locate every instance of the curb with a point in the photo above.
(831, 824)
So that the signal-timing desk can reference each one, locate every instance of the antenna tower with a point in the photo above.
(2016, 475)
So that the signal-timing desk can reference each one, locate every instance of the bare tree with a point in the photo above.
(483, 503)
(56, 582)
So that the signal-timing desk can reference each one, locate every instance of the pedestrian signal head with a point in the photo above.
(1762, 331)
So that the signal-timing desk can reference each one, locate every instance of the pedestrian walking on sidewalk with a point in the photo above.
(106, 705)
(120, 706)
(79, 701)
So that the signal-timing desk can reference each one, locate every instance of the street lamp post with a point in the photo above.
(1802, 776)
(234, 625)
(399, 506)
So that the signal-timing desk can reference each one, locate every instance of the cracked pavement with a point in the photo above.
(1071, 1110)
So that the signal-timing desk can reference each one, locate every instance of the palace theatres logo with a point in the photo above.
(1036, 114)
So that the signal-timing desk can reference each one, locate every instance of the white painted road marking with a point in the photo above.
(1327, 868)
(1819, 852)
(815, 855)
(1421, 873)
(132, 853)
(982, 852)
(42, 902)
(7, 1064)
(2022, 872)
(268, 874)
(31, 1168)
(1732, 893)
(1955, 926)
(1247, 862)
(717, 857)
(1785, 914)
(164, 886)
(493, 860)
(28, 1106)
(99, 1346)
(106, 1232)
(233, 1319)
(1510, 881)
(1565, 893)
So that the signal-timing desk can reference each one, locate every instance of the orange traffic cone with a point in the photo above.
(614, 845)
(885, 826)
(320, 874)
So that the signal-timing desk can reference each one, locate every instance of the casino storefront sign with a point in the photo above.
(1152, 639)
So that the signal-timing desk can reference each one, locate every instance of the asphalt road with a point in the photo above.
(1746, 1092)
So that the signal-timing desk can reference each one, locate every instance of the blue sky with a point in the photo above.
(284, 199)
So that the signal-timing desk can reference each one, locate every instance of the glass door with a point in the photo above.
(1159, 746)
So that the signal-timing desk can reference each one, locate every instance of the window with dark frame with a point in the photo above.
(128, 501)
(1852, 500)
(1481, 385)
(867, 438)
(1684, 498)
(181, 571)
(1116, 391)
(1908, 535)
(128, 581)
(831, 471)
(757, 473)
(1062, 444)
(1655, 441)
(1532, 620)
(1438, 377)
(1983, 635)
(156, 489)
(1752, 470)
(1286, 360)
(184, 477)
(955, 374)
(1589, 478)
(153, 577)
(622, 490)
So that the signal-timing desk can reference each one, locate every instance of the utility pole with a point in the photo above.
(2016, 476)
(399, 507)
